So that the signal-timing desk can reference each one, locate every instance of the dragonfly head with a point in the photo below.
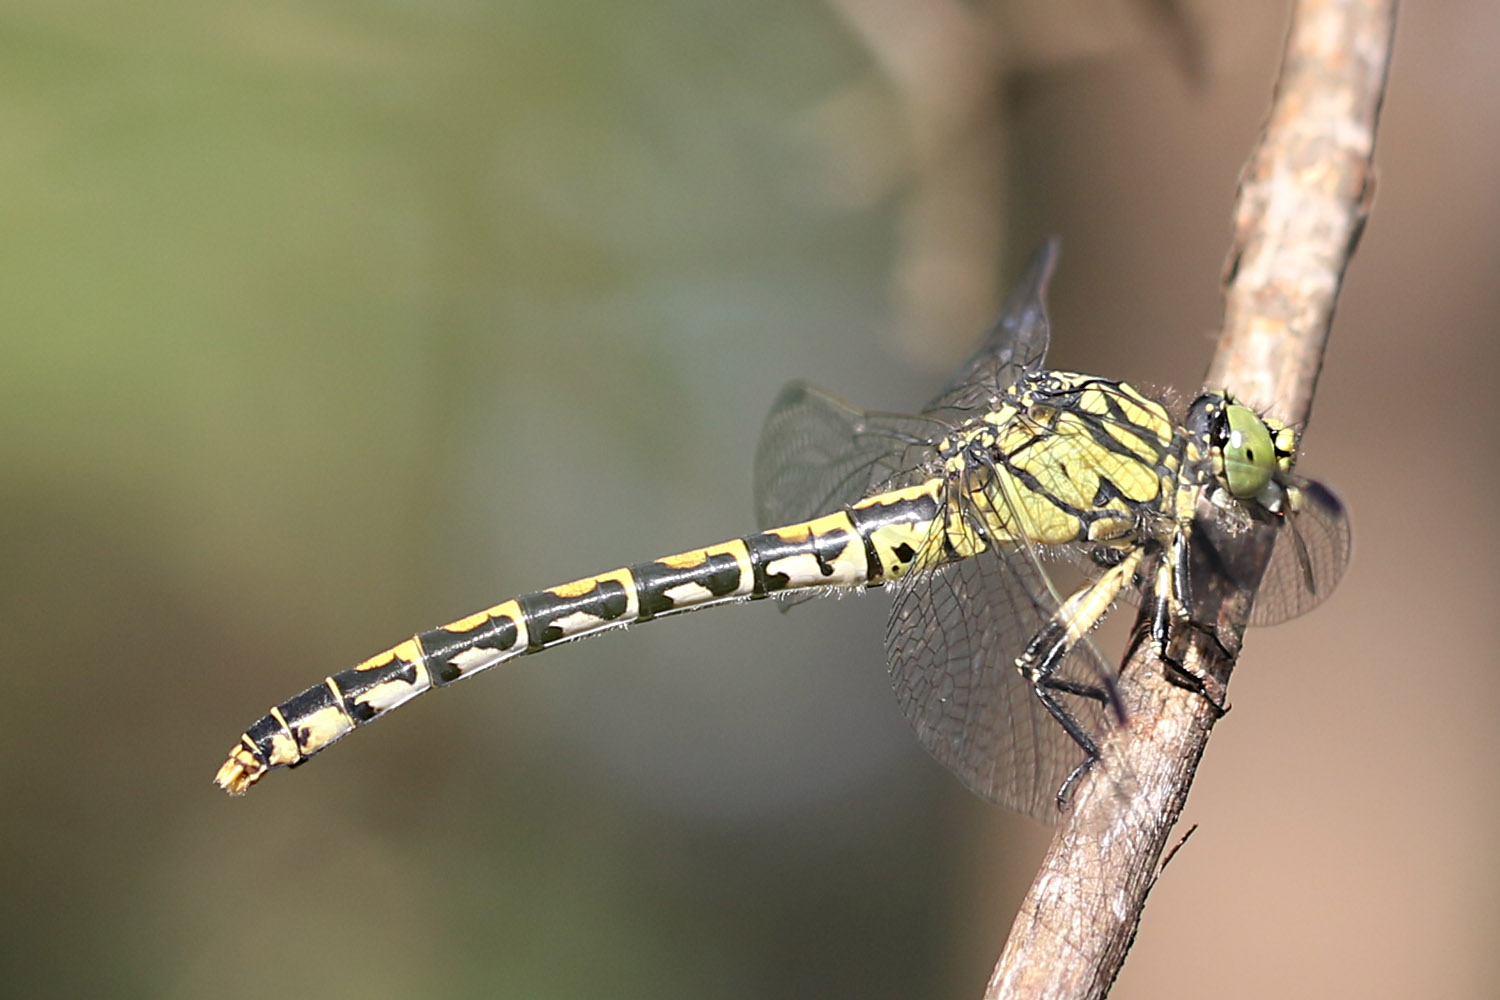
(1249, 453)
(1241, 462)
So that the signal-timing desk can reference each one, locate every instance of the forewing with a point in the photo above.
(818, 453)
(1308, 559)
(955, 632)
(1015, 344)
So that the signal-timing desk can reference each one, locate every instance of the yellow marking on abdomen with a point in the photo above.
(284, 749)
(578, 588)
(901, 545)
(846, 568)
(580, 623)
(407, 651)
(697, 557)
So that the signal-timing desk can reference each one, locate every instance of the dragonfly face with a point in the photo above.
(952, 509)
(1245, 460)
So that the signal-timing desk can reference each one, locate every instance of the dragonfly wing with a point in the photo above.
(1017, 343)
(954, 634)
(1309, 557)
(818, 453)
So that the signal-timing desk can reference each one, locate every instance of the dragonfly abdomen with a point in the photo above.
(864, 545)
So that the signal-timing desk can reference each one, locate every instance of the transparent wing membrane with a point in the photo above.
(954, 634)
(1308, 559)
(818, 453)
(1017, 343)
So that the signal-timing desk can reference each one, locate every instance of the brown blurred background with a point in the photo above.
(328, 322)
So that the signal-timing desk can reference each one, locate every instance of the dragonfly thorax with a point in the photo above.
(1063, 458)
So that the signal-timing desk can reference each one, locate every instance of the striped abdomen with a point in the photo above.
(875, 540)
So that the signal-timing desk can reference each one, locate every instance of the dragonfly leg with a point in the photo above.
(1047, 650)
(1066, 791)
(1171, 621)
(1037, 664)
(1093, 692)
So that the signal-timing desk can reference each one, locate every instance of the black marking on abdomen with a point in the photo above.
(764, 549)
(314, 699)
(876, 573)
(352, 683)
(498, 632)
(262, 734)
(768, 547)
(869, 518)
(719, 574)
(298, 707)
(606, 600)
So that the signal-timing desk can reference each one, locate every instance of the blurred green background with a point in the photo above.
(327, 322)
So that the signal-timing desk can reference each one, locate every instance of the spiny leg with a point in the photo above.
(1047, 650)
(1172, 619)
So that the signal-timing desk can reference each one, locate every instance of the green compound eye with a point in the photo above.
(1249, 455)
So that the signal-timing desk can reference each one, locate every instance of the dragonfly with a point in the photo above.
(963, 511)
